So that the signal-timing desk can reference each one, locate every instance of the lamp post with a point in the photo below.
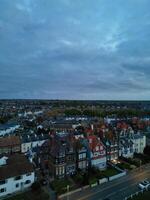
(140, 164)
(67, 192)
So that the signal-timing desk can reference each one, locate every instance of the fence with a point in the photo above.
(133, 195)
(111, 178)
(103, 180)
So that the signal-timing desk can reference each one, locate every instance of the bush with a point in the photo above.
(92, 181)
(143, 157)
(124, 166)
(60, 186)
(78, 178)
(131, 161)
(36, 186)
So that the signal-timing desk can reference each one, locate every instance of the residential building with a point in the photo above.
(112, 149)
(10, 144)
(62, 157)
(97, 152)
(126, 148)
(16, 174)
(81, 155)
(139, 141)
(8, 128)
(29, 142)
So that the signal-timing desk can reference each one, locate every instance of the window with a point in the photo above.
(17, 185)
(17, 178)
(70, 158)
(2, 190)
(56, 171)
(101, 147)
(27, 182)
(97, 148)
(3, 182)
(28, 174)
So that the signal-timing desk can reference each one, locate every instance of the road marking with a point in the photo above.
(113, 193)
(94, 193)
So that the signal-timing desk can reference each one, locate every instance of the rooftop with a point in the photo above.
(17, 164)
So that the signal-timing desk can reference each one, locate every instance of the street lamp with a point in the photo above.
(140, 164)
(67, 192)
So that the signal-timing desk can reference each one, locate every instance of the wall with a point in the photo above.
(10, 185)
(117, 176)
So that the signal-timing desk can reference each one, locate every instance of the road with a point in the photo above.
(115, 190)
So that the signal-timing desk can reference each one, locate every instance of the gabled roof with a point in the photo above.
(17, 164)
(9, 141)
(94, 142)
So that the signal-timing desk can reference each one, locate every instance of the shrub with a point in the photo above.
(36, 186)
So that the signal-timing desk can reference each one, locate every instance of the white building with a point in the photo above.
(16, 174)
(8, 129)
(126, 148)
(139, 141)
(29, 142)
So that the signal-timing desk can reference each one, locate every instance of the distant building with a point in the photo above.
(8, 128)
(16, 174)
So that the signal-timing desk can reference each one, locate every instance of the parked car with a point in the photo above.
(144, 185)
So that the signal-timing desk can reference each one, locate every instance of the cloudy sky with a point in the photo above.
(75, 49)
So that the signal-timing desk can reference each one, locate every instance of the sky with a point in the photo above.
(75, 49)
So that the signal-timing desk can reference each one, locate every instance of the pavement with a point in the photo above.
(114, 190)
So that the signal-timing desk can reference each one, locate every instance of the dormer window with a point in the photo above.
(17, 178)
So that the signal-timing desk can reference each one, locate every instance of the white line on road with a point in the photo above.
(108, 187)
(113, 193)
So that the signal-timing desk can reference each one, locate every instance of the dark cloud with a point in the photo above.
(76, 50)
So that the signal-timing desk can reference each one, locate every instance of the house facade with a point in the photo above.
(126, 148)
(16, 174)
(112, 149)
(139, 141)
(97, 152)
(81, 155)
(31, 141)
(62, 155)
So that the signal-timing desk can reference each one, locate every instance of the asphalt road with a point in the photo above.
(115, 190)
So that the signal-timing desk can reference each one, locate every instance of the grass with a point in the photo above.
(60, 186)
(131, 161)
(82, 179)
(124, 166)
(110, 172)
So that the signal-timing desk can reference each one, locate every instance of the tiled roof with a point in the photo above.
(93, 142)
(9, 141)
(17, 164)
(33, 137)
